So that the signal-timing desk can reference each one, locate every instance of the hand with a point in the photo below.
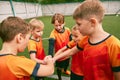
(48, 59)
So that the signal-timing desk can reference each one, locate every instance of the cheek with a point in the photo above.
(79, 28)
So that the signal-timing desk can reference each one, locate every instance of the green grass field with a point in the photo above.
(111, 24)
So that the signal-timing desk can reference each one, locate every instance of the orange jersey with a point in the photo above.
(16, 68)
(100, 60)
(61, 39)
(77, 60)
(36, 47)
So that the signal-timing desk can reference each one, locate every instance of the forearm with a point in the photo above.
(61, 55)
(117, 75)
(66, 53)
(37, 60)
(51, 46)
(61, 50)
(48, 68)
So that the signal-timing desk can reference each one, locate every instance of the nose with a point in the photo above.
(58, 27)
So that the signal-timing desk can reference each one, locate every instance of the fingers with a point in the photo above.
(48, 59)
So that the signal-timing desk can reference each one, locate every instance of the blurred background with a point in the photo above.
(34, 8)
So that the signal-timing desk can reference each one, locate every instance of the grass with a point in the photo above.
(111, 24)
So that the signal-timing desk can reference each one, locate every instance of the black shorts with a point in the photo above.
(74, 76)
(62, 64)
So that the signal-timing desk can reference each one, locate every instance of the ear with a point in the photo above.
(93, 21)
(63, 24)
(19, 38)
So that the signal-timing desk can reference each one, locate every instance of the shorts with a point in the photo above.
(74, 76)
(62, 64)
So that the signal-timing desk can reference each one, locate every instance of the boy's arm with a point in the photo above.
(51, 46)
(60, 51)
(33, 57)
(48, 69)
(68, 46)
(68, 52)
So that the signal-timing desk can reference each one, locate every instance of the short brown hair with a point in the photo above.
(88, 9)
(11, 26)
(34, 23)
(58, 17)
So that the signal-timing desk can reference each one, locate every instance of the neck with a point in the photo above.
(8, 48)
(35, 38)
(98, 35)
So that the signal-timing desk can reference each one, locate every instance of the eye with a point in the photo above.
(38, 31)
(78, 24)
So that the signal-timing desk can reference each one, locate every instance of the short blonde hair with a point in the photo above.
(34, 23)
(88, 9)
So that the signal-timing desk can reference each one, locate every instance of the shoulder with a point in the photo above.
(83, 42)
(112, 40)
(53, 31)
(19, 65)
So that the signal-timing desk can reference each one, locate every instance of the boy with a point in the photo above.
(15, 33)
(77, 59)
(100, 49)
(35, 47)
(59, 37)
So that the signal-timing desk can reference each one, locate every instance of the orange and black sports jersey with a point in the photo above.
(36, 47)
(61, 39)
(77, 60)
(16, 67)
(100, 60)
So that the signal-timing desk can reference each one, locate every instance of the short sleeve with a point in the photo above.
(21, 66)
(82, 42)
(114, 53)
(71, 44)
(52, 35)
(31, 46)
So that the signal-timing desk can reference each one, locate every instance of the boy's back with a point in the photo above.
(9, 67)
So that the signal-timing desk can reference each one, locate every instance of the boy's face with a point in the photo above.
(58, 26)
(76, 36)
(37, 32)
(24, 42)
(84, 26)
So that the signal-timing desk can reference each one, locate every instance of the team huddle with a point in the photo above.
(95, 53)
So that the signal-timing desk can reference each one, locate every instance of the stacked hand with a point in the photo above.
(48, 59)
